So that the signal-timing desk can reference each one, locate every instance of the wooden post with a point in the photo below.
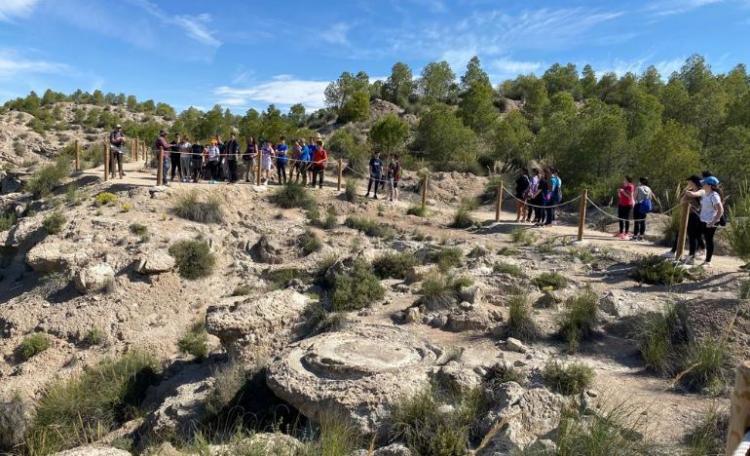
(78, 156)
(132, 149)
(160, 170)
(499, 201)
(106, 161)
(682, 233)
(258, 159)
(425, 181)
(582, 213)
(739, 411)
(135, 146)
(341, 170)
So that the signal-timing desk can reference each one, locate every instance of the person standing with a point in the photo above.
(116, 141)
(545, 191)
(231, 151)
(213, 161)
(162, 150)
(305, 158)
(319, 161)
(295, 156)
(196, 162)
(625, 203)
(174, 157)
(394, 176)
(522, 187)
(532, 196)
(643, 205)
(249, 157)
(281, 160)
(185, 150)
(711, 214)
(376, 171)
(266, 163)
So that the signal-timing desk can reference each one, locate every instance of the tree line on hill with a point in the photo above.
(593, 128)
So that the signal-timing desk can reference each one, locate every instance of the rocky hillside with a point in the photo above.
(222, 319)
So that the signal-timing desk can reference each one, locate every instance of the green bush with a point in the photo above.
(419, 211)
(7, 221)
(292, 195)
(521, 323)
(194, 258)
(550, 281)
(370, 227)
(501, 373)
(705, 362)
(32, 345)
(46, 179)
(309, 242)
(79, 410)
(195, 342)
(709, 435)
(394, 265)
(744, 292)
(447, 258)
(573, 378)
(94, 336)
(659, 339)
(53, 223)
(522, 236)
(190, 207)
(350, 190)
(507, 268)
(579, 319)
(656, 270)
(105, 198)
(140, 231)
(280, 278)
(356, 289)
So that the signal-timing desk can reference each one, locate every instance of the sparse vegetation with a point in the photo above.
(105, 199)
(659, 340)
(291, 196)
(394, 265)
(462, 218)
(280, 278)
(190, 207)
(417, 210)
(447, 258)
(570, 379)
(194, 258)
(46, 179)
(522, 236)
(550, 281)
(579, 319)
(7, 221)
(512, 270)
(350, 190)
(658, 271)
(242, 290)
(53, 223)
(370, 227)
(94, 336)
(309, 242)
(439, 289)
(744, 292)
(521, 323)
(709, 435)
(32, 345)
(503, 373)
(82, 409)
(704, 366)
(139, 230)
(356, 289)
(195, 341)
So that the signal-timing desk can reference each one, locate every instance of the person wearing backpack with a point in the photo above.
(116, 141)
(643, 205)
(522, 186)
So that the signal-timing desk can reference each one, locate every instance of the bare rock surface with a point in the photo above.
(95, 278)
(261, 443)
(93, 451)
(156, 262)
(55, 256)
(359, 372)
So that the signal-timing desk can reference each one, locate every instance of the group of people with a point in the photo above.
(220, 161)
(382, 174)
(538, 195)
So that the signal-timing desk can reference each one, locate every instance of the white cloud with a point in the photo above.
(13, 65)
(196, 28)
(280, 90)
(336, 34)
(16, 8)
(670, 7)
(514, 67)
(638, 66)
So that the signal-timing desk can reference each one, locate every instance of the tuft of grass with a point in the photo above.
(94, 336)
(508, 251)
(521, 323)
(242, 290)
(512, 270)
(79, 410)
(291, 196)
(32, 345)
(356, 289)
(438, 289)
(370, 227)
(194, 258)
(447, 258)
(744, 292)
(350, 190)
(579, 319)
(7, 221)
(126, 207)
(338, 436)
(190, 207)
(309, 242)
(570, 379)
(659, 338)
(105, 198)
(394, 265)
(656, 270)
(462, 217)
(46, 179)
(195, 341)
(229, 381)
(280, 278)
(523, 236)
(501, 373)
(709, 435)
(417, 210)
(140, 231)
(705, 361)
(54, 222)
(550, 281)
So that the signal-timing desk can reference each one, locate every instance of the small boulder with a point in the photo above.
(269, 443)
(412, 315)
(156, 262)
(95, 278)
(55, 256)
(266, 251)
(515, 345)
(93, 450)
(472, 294)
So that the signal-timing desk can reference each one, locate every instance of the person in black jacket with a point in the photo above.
(116, 141)
(376, 172)
(522, 188)
(232, 150)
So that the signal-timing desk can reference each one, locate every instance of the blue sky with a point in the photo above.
(250, 53)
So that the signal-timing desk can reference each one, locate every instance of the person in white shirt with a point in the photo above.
(711, 212)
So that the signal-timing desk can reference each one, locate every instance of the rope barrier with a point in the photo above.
(614, 217)
(554, 206)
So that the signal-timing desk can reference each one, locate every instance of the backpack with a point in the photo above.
(646, 206)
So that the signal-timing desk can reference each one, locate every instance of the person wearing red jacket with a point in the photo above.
(319, 160)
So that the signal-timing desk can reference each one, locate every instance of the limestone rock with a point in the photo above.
(16, 414)
(178, 414)
(8, 183)
(412, 315)
(360, 372)
(95, 278)
(156, 262)
(93, 450)
(515, 345)
(26, 232)
(261, 443)
(621, 304)
(417, 273)
(474, 319)
(55, 256)
(266, 251)
(457, 377)
(260, 325)
(394, 449)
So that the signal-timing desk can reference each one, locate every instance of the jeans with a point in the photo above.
(623, 212)
(550, 211)
(232, 165)
(174, 158)
(248, 164)
(213, 169)
(376, 180)
(165, 169)
(640, 222)
(281, 171)
(195, 170)
(317, 171)
(185, 168)
(115, 158)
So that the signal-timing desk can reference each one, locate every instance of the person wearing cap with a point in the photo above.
(711, 213)
(162, 149)
(694, 236)
(319, 160)
(116, 141)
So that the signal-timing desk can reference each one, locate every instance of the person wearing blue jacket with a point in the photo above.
(305, 157)
(281, 160)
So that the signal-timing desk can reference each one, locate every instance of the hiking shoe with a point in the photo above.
(617, 235)
(690, 260)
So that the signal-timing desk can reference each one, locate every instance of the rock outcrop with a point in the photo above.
(95, 278)
(155, 262)
(93, 451)
(55, 256)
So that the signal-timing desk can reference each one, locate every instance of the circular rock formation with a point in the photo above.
(358, 372)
